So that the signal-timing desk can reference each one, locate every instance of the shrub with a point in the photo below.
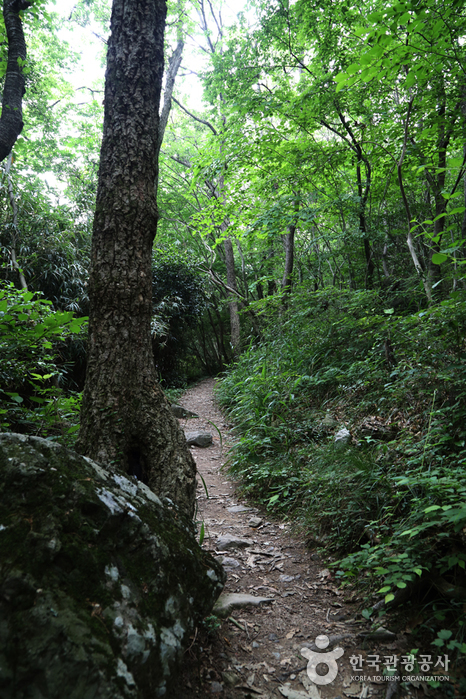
(31, 399)
(392, 505)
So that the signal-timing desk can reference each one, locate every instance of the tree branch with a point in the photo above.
(201, 121)
(173, 66)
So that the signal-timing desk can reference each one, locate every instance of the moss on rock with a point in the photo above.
(101, 583)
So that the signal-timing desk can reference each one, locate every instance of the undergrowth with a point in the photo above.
(32, 397)
(392, 503)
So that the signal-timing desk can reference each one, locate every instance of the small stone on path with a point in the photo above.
(234, 600)
(229, 541)
(231, 678)
(255, 522)
(198, 439)
(228, 562)
(179, 411)
(291, 693)
(238, 508)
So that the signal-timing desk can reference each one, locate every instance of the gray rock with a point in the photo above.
(235, 600)
(198, 439)
(238, 508)
(101, 584)
(228, 562)
(342, 438)
(229, 541)
(291, 693)
(255, 522)
(231, 679)
(180, 412)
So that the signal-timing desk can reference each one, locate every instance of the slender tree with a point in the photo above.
(11, 120)
(125, 417)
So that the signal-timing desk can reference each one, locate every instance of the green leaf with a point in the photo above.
(438, 258)
(201, 534)
(14, 396)
(445, 634)
(410, 79)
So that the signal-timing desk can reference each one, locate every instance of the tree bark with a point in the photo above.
(11, 120)
(125, 418)
(437, 182)
(288, 244)
(14, 227)
(235, 327)
(356, 146)
(173, 67)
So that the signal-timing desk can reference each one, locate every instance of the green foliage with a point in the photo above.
(31, 399)
(178, 302)
(211, 624)
(392, 503)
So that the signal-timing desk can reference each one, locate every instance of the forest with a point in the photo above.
(310, 252)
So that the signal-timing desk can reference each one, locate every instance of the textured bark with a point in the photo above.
(11, 120)
(288, 243)
(173, 67)
(14, 230)
(235, 327)
(437, 182)
(410, 239)
(364, 188)
(125, 417)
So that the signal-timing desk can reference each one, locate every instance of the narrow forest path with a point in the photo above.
(256, 651)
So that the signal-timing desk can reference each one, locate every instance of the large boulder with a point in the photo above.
(101, 583)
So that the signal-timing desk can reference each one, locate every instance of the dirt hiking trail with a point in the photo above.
(256, 652)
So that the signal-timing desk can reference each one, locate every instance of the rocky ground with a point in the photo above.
(258, 651)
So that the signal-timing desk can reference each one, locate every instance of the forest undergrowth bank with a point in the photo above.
(390, 504)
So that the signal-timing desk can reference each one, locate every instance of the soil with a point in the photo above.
(257, 652)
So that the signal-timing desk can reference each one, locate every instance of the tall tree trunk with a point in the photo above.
(125, 418)
(11, 120)
(288, 244)
(363, 192)
(364, 187)
(235, 327)
(410, 239)
(436, 181)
